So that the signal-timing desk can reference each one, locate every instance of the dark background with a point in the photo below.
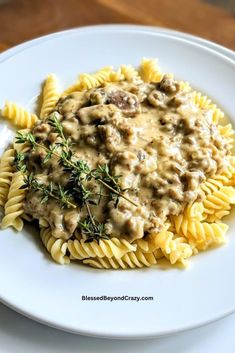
(21, 20)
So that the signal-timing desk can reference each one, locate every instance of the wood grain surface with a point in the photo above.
(21, 20)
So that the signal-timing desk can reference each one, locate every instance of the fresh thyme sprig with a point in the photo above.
(79, 166)
(57, 192)
(50, 152)
(80, 174)
(26, 137)
(102, 175)
(56, 124)
(20, 159)
(92, 230)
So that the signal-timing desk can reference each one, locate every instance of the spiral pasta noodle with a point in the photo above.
(56, 247)
(192, 212)
(130, 74)
(88, 81)
(218, 204)
(50, 96)
(132, 259)
(217, 115)
(203, 235)
(18, 115)
(6, 173)
(110, 248)
(185, 86)
(14, 205)
(180, 251)
(149, 71)
(213, 184)
(115, 76)
(203, 102)
(148, 245)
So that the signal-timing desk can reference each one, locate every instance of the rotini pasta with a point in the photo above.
(130, 74)
(116, 76)
(50, 96)
(110, 248)
(180, 252)
(14, 205)
(219, 202)
(213, 184)
(203, 102)
(203, 235)
(88, 81)
(185, 86)
(191, 213)
(149, 71)
(217, 115)
(6, 173)
(132, 259)
(18, 116)
(56, 247)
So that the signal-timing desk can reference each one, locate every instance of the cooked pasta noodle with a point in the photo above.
(130, 74)
(191, 213)
(18, 115)
(50, 96)
(213, 184)
(203, 235)
(146, 245)
(180, 252)
(185, 86)
(204, 102)
(218, 204)
(217, 215)
(135, 259)
(116, 76)
(6, 173)
(56, 247)
(217, 115)
(110, 248)
(14, 205)
(149, 70)
(88, 81)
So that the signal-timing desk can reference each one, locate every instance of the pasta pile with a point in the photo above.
(199, 227)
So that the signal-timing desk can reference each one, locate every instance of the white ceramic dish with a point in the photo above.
(33, 285)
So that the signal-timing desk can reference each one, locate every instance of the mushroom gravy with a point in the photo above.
(159, 144)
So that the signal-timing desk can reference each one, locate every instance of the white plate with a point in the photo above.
(20, 335)
(32, 284)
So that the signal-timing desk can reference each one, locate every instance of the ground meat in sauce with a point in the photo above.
(151, 135)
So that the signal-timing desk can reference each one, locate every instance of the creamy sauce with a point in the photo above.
(152, 136)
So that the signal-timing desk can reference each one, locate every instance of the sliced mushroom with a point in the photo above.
(125, 101)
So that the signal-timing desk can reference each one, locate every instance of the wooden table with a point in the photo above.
(21, 20)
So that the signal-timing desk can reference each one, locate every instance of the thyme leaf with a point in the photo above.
(77, 189)
(92, 230)
(19, 161)
(25, 137)
(55, 191)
